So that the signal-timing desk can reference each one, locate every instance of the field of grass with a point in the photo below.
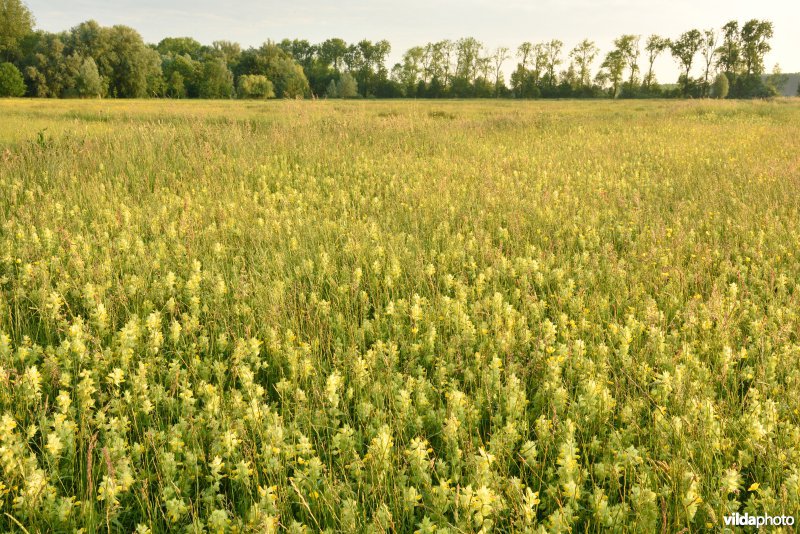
(398, 316)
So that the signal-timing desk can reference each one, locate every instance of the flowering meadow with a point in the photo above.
(398, 316)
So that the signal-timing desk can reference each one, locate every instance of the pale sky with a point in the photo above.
(406, 23)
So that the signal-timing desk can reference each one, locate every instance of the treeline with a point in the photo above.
(94, 61)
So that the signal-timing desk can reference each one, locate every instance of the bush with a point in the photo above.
(255, 86)
(331, 91)
(11, 82)
(89, 83)
(721, 86)
(347, 87)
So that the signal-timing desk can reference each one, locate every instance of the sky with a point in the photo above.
(408, 23)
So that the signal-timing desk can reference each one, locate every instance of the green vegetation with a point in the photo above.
(721, 86)
(63, 65)
(255, 86)
(395, 317)
(16, 22)
(11, 83)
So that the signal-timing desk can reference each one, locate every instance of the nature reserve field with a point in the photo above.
(398, 316)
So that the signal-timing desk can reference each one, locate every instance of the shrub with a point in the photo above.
(721, 86)
(89, 83)
(331, 91)
(347, 87)
(11, 82)
(255, 86)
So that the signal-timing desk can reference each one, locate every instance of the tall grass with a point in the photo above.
(398, 316)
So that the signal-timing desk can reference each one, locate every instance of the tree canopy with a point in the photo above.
(90, 60)
(11, 83)
(16, 21)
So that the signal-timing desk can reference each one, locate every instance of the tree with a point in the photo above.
(524, 53)
(499, 57)
(408, 72)
(300, 50)
(755, 36)
(182, 74)
(179, 46)
(331, 91)
(332, 52)
(721, 86)
(435, 89)
(290, 78)
(89, 83)
(446, 50)
(132, 69)
(729, 53)
(468, 50)
(366, 61)
(91, 60)
(346, 87)
(628, 47)
(89, 39)
(708, 49)
(16, 21)
(552, 51)
(11, 82)
(654, 47)
(287, 77)
(45, 67)
(427, 59)
(613, 67)
(254, 86)
(776, 81)
(684, 50)
(584, 55)
(523, 79)
(484, 65)
(228, 51)
(741, 57)
(570, 80)
(176, 85)
(217, 80)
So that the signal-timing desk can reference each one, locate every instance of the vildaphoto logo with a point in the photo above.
(758, 521)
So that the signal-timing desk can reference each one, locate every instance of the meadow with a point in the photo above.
(398, 316)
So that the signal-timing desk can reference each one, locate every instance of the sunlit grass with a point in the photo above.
(398, 316)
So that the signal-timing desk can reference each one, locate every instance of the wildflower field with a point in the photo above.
(398, 316)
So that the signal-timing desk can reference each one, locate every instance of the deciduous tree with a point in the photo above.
(628, 47)
(654, 47)
(132, 67)
(89, 83)
(552, 51)
(346, 87)
(684, 49)
(216, 80)
(612, 69)
(16, 21)
(584, 55)
(721, 86)
(498, 58)
(708, 49)
(11, 82)
(254, 86)
(755, 36)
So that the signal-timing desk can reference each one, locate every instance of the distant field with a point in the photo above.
(398, 316)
